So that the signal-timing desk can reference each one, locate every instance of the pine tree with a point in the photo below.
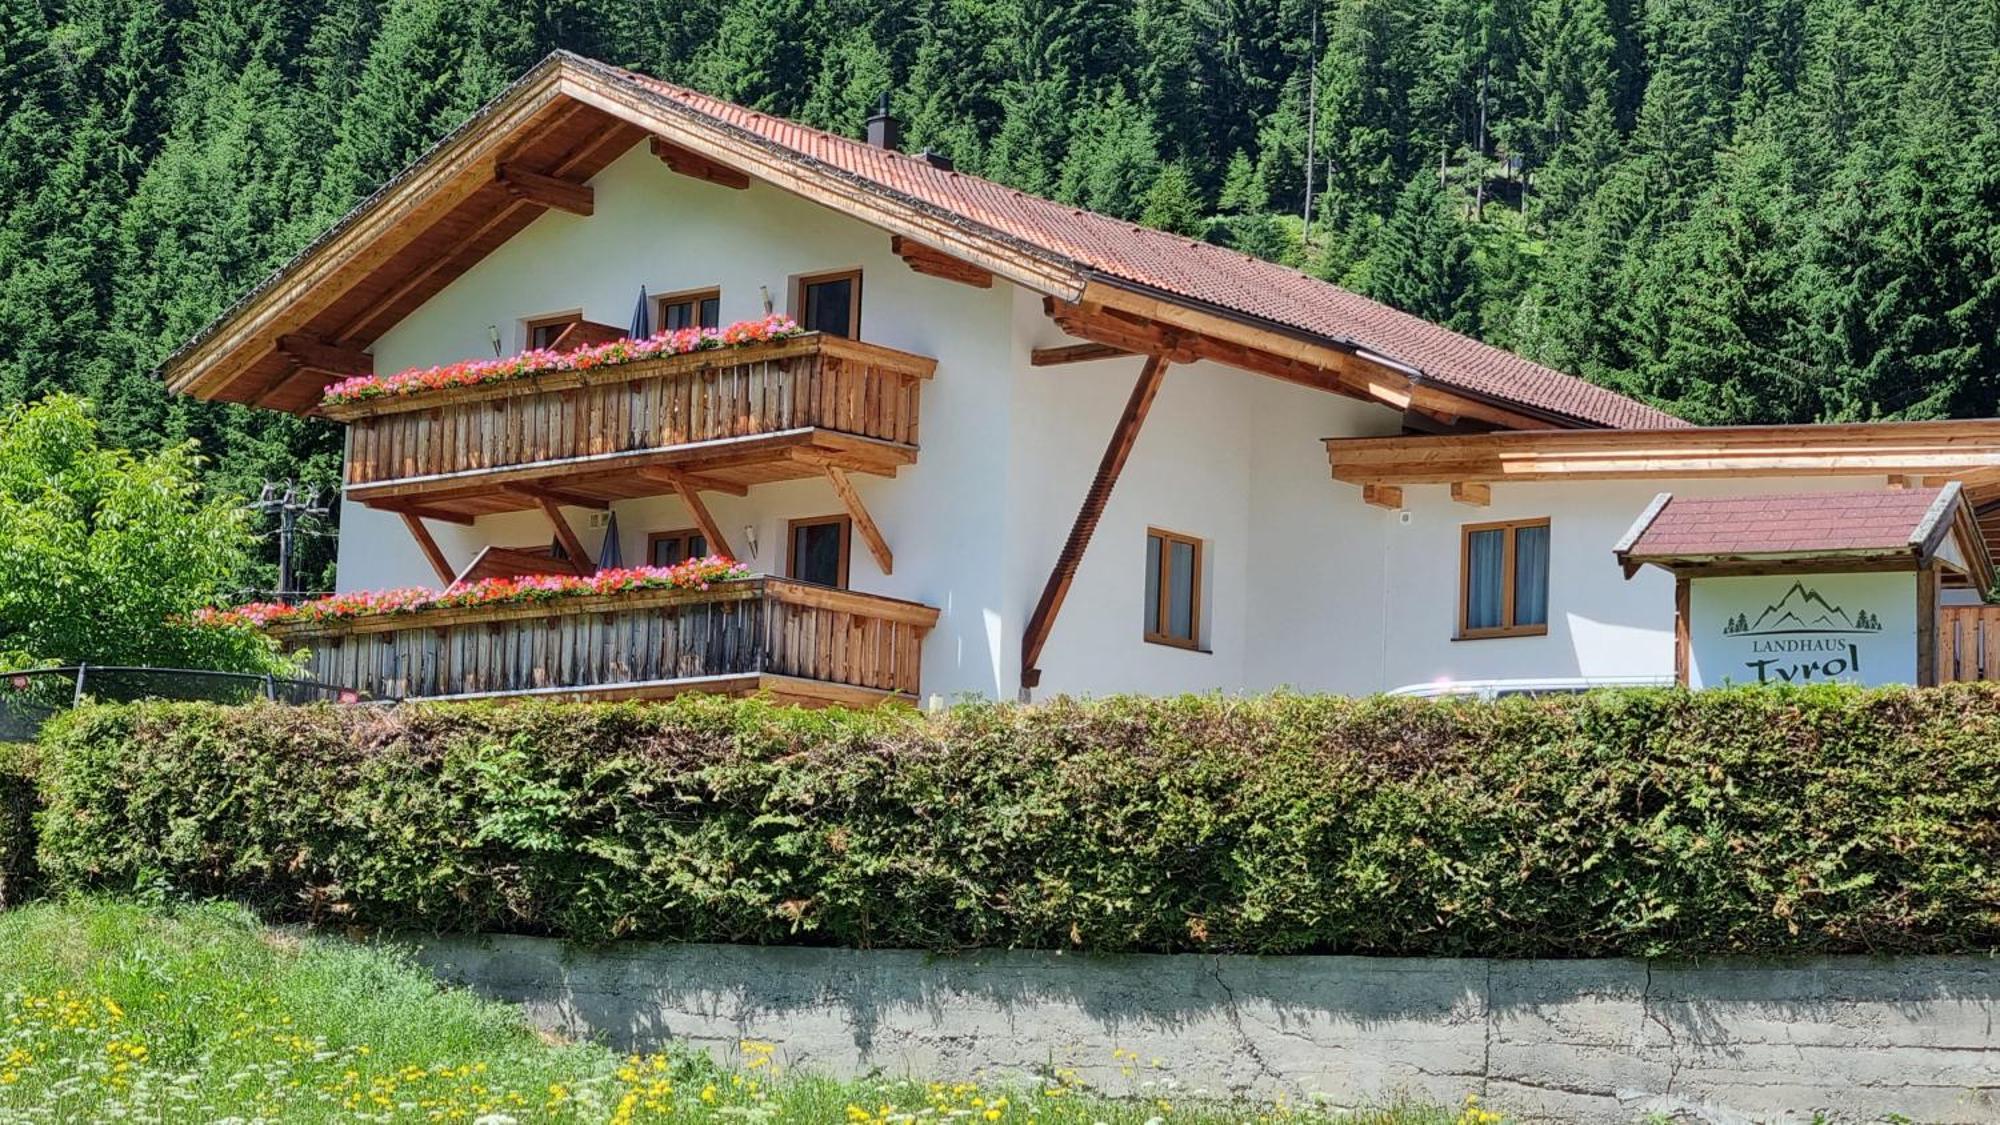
(1422, 260)
(1173, 203)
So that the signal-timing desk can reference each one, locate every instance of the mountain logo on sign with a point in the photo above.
(1801, 610)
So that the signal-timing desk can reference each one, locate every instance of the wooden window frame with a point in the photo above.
(533, 323)
(1192, 641)
(696, 296)
(846, 524)
(1506, 628)
(800, 283)
(653, 537)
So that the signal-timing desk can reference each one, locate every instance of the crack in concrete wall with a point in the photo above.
(1848, 1039)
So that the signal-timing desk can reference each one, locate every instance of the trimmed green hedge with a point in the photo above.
(17, 834)
(1648, 823)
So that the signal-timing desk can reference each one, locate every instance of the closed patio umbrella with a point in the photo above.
(642, 318)
(609, 557)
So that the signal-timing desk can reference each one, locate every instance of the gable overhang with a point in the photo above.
(566, 119)
(1908, 451)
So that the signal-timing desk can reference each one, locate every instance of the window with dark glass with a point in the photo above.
(818, 550)
(665, 548)
(691, 310)
(830, 303)
(544, 333)
(1504, 579)
(1173, 589)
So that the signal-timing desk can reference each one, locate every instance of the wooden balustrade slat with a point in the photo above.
(746, 628)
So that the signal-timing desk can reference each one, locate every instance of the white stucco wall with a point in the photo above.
(1304, 585)
(1600, 623)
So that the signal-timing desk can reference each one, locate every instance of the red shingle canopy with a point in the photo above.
(1805, 523)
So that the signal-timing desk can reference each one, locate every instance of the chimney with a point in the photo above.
(883, 131)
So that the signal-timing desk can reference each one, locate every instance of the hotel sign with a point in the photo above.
(1856, 628)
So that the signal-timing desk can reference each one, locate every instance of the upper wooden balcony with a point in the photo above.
(714, 420)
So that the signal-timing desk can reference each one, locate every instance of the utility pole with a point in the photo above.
(1312, 124)
(282, 498)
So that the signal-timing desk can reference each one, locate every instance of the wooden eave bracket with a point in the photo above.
(690, 163)
(937, 263)
(546, 190)
(323, 358)
(1382, 496)
(863, 522)
(1471, 492)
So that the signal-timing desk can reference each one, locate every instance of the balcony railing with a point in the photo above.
(795, 640)
(738, 416)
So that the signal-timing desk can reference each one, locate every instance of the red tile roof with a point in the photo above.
(1807, 523)
(1187, 268)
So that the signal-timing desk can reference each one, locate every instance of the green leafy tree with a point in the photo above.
(105, 556)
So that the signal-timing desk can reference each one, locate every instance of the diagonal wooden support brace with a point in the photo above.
(429, 545)
(566, 535)
(710, 530)
(863, 522)
(1123, 437)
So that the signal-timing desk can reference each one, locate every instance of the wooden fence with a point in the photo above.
(1968, 643)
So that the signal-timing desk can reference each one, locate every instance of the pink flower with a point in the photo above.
(694, 574)
(477, 372)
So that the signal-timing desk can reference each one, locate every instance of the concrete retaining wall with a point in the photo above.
(1849, 1038)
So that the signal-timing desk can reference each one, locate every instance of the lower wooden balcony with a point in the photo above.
(720, 420)
(798, 642)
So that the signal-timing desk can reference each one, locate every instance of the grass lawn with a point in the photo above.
(112, 1011)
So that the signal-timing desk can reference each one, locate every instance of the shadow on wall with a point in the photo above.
(1580, 1040)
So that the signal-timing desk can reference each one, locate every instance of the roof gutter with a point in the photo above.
(1416, 375)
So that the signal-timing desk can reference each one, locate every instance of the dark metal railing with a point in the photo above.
(31, 696)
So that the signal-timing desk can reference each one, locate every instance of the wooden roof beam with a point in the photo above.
(546, 190)
(1124, 331)
(1075, 353)
(937, 263)
(690, 163)
(1104, 327)
(1476, 495)
(323, 358)
(407, 508)
(534, 494)
(446, 264)
(672, 478)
